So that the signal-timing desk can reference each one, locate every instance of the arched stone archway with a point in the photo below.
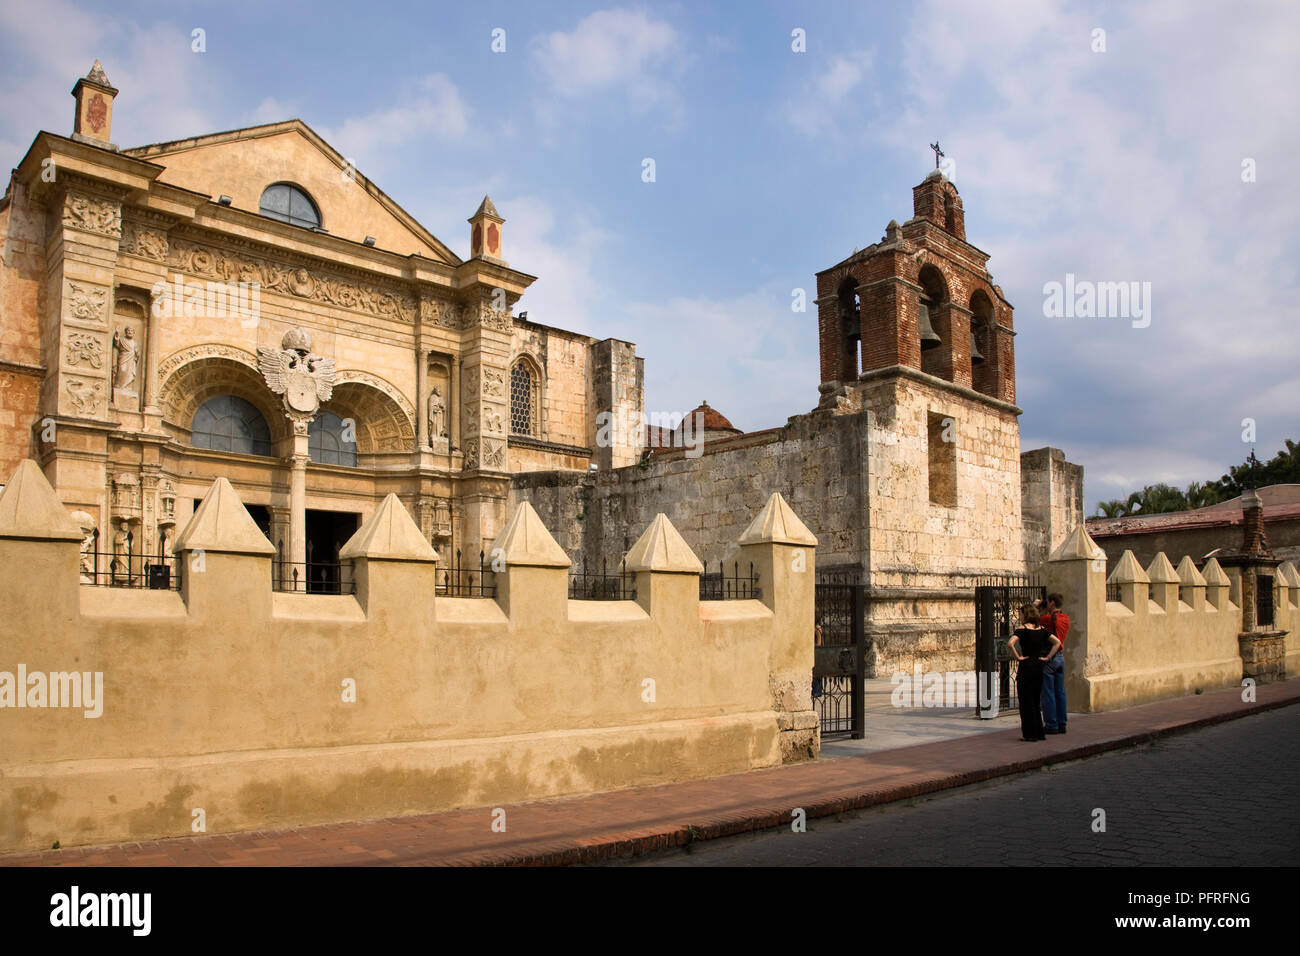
(385, 418)
(192, 376)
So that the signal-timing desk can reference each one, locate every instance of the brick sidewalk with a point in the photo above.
(599, 826)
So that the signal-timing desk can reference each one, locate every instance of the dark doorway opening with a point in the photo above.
(327, 532)
(261, 516)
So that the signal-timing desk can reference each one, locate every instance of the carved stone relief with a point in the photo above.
(494, 453)
(144, 242)
(84, 348)
(86, 395)
(86, 303)
(91, 214)
(304, 283)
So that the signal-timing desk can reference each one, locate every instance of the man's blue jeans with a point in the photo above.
(1053, 697)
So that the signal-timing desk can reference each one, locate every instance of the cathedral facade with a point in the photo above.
(247, 304)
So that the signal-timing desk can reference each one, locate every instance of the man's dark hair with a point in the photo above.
(1056, 600)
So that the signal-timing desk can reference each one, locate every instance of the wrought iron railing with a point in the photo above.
(122, 567)
(313, 577)
(587, 585)
(1112, 593)
(461, 580)
(736, 586)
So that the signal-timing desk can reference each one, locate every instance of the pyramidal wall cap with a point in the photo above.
(388, 533)
(1077, 546)
(1292, 575)
(1213, 574)
(1160, 571)
(525, 542)
(1188, 576)
(29, 508)
(661, 548)
(777, 524)
(1128, 571)
(222, 525)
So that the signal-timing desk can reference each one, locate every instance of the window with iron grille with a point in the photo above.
(523, 400)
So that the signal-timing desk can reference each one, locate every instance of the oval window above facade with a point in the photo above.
(289, 203)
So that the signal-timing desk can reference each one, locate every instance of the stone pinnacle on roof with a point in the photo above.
(97, 77)
(485, 208)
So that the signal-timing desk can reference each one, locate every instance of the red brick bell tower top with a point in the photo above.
(921, 298)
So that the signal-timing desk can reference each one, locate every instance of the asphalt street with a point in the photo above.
(1227, 795)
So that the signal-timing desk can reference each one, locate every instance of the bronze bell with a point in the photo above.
(929, 340)
(975, 357)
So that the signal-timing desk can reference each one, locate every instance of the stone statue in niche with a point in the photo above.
(121, 565)
(126, 359)
(437, 414)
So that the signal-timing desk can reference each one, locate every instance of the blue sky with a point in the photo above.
(1122, 165)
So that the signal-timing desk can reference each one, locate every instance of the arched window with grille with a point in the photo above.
(229, 423)
(525, 410)
(329, 442)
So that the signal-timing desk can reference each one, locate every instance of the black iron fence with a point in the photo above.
(997, 614)
(738, 585)
(313, 577)
(1112, 593)
(121, 566)
(460, 579)
(588, 585)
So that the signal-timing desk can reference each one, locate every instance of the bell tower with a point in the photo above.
(920, 299)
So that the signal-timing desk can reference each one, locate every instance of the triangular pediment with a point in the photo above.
(242, 163)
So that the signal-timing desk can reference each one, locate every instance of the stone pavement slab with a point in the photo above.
(623, 822)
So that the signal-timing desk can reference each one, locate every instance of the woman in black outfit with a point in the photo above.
(1038, 644)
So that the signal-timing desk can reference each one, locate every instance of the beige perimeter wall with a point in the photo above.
(229, 698)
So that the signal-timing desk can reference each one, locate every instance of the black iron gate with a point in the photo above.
(997, 615)
(838, 659)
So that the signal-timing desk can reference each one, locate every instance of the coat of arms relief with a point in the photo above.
(302, 378)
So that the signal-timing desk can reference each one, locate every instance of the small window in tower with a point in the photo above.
(523, 400)
(289, 203)
(949, 217)
(942, 446)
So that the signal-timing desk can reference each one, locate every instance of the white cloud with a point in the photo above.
(612, 49)
(433, 107)
(823, 103)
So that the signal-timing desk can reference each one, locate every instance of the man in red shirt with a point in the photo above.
(1057, 623)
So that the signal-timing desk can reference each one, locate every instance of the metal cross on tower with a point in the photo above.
(937, 153)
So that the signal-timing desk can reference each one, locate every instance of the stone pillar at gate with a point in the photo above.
(1261, 642)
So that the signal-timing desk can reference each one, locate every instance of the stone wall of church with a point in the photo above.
(943, 509)
(22, 276)
(565, 363)
(1051, 490)
(812, 463)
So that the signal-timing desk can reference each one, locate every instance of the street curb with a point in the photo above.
(758, 818)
